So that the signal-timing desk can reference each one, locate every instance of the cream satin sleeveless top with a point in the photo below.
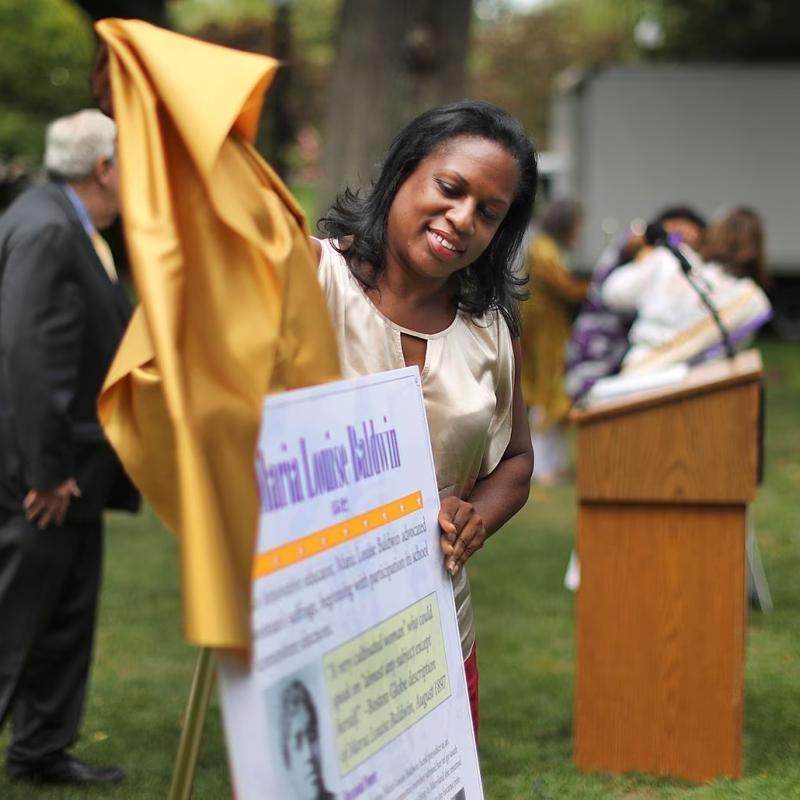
(467, 385)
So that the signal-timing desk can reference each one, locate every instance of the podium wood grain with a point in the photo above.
(664, 479)
(675, 444)
(661, 640)
(673, 453)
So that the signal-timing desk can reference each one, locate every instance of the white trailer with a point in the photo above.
(629, 140)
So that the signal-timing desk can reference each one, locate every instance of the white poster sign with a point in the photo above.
(357, 687)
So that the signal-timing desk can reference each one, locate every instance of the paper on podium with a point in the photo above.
(620, 385)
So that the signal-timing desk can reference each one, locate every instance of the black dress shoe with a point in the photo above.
(65, 769)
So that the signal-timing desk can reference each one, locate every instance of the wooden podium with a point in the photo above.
(664, 480)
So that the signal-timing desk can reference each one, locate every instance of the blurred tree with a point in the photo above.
(515, 58)
(299, 33)
(47, 48)
(763, 30)
(271, 37)
(276, 113)
(393, 60)
(149, 10)
(189, 15)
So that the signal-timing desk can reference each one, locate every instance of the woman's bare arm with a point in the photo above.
(467, 524)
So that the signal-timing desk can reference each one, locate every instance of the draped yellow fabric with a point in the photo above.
(230, 307)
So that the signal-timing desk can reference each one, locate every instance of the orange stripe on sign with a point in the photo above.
(315, 543)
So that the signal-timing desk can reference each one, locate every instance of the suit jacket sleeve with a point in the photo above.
(42, 316)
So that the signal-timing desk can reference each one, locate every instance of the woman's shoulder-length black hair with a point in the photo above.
(492, 281)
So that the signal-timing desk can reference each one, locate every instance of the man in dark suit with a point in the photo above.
(62, 315)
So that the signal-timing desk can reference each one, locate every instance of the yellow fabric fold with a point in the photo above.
(230, 306)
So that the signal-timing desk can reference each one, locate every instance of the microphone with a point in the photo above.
(656, 236)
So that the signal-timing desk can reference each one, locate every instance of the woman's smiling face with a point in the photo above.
(448, 210)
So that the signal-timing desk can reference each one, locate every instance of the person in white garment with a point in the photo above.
(673, 324)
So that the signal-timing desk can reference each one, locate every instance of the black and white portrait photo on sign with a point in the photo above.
(301, 744)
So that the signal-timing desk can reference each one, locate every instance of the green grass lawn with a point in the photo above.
(525, 628)
(526, 635)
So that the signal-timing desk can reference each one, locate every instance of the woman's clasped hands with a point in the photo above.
(463, 532)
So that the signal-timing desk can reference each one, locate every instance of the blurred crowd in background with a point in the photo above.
(642, 310)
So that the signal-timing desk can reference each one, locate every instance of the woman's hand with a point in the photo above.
(463, 532)
(467, 524)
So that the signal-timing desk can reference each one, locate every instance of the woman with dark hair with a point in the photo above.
(546, 329)
(418, 270)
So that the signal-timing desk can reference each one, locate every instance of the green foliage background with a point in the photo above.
(46, 48)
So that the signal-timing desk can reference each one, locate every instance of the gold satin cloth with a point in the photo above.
(230, 308)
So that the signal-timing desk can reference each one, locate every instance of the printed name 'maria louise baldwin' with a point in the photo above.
(366, 452)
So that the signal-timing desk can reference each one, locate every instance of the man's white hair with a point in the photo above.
(74, 143)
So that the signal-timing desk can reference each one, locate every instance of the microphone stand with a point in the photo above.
(686, 268)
